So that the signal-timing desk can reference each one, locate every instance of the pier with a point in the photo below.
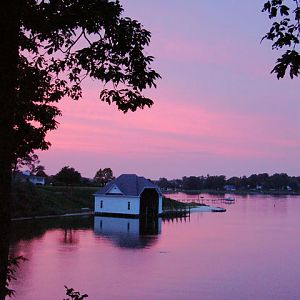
(182, 212)
(202, 200)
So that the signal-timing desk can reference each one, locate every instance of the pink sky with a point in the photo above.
(217, 109)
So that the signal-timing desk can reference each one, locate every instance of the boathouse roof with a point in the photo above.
(128, 185)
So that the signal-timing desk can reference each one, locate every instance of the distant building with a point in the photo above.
(26, 177)
(129, 195)
(26, 173)
(37, 180)
(229, 188)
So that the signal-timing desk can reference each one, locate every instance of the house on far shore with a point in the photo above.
(37, 180)
(129, 195)
(229, 188)
(26, 177)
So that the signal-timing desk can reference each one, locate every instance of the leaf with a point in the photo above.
(284, 10)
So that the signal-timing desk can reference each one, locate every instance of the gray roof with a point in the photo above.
(129, 185)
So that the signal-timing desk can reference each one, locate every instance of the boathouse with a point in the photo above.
(129, 195)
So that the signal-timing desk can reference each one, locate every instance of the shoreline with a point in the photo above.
(248, 192)
(202, 208)
(88, 213)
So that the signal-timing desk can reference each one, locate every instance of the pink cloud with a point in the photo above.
(170, 129)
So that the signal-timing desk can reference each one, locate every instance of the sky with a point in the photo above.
(217, 109)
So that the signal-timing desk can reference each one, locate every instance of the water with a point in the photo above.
(249, 252)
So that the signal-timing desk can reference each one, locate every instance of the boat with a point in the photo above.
(218, 209)
(229, 199)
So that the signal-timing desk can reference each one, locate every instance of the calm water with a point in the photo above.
(250, 252)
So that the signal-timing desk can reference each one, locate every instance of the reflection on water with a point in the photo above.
(70, 236)
(128, 233)
(32, 229)
(249, 252)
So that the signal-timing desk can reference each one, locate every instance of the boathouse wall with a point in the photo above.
(123, 205)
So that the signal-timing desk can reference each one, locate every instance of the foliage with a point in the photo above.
(102, 177)
(191, 183)
(40, 171)
(13, 264)
(59, 44)
(29, 200)
(68, 175)
(74, 295)
(168, 203)
(29, 161)
(163, 183)
(284, 34)
(263, 181)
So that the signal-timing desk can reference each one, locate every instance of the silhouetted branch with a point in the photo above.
(13, 264)
(74, 295)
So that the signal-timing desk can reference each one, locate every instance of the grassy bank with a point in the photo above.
(31, 201)
(169, 203)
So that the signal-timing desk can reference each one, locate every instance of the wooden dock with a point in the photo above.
(202, 200)
(183, 212)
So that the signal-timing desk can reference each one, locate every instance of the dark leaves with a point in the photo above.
(291, 60)
(13, 264)
(74, 295)
(284, 10)
(284, 33)
(125, 99)
(64, 41)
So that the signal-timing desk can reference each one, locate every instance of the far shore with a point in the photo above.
(36, 202)
(236, 192)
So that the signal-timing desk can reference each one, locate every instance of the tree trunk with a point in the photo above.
(9, 31)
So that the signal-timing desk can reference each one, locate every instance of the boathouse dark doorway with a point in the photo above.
(149, 225)
(149, 203)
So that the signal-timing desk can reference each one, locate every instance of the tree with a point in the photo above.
(284, 34)
(215, 182)
(40, 171)
(68, 175)
(235, 181)
(163, 183)
(102, 177)
(30, 161)
(50, 47)
(191, 183)
(74, 295)
(47, 49)
(279, 181)
(253, 181)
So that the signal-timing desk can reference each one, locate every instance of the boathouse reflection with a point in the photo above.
(128, 233)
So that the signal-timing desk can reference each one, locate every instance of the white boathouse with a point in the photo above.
(129, 195)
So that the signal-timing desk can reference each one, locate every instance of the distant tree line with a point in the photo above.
(257, 182)
(66, 176)
(69, 176)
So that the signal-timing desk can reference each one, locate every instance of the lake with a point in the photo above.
(249, 252)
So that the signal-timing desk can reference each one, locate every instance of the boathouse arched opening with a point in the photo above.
(149, 203)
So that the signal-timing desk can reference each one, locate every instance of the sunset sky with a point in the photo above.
(217, 108)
